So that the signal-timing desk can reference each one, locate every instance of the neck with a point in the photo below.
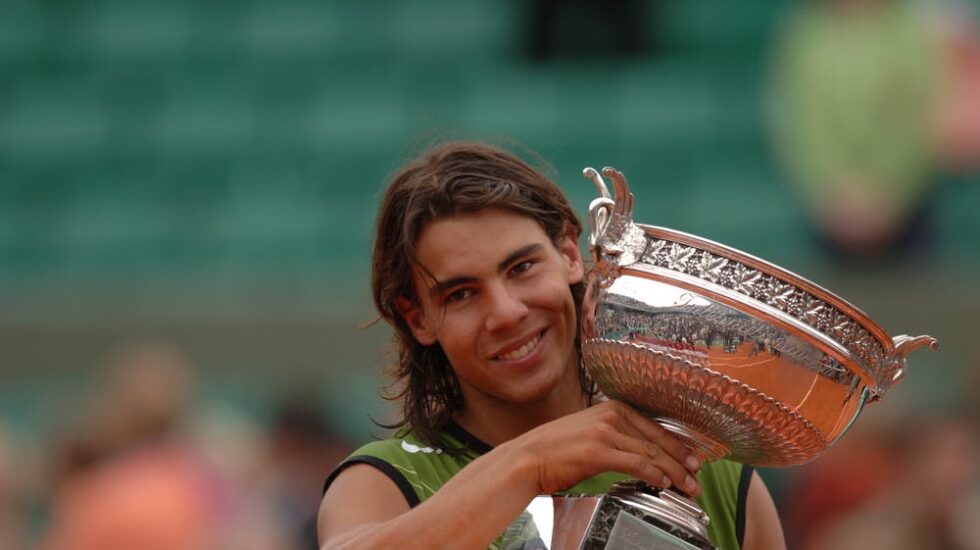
(495, 421)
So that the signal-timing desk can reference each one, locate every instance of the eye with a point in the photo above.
(522, 267)
(458, 295)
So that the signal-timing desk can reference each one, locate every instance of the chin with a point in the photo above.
(535, 391)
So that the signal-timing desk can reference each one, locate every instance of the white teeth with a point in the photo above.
(522, 351)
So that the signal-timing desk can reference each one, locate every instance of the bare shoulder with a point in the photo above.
(359, 497)
(763, 530)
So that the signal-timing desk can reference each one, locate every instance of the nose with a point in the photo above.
(506, 309)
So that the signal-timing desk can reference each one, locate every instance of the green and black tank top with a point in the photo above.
(419, 470)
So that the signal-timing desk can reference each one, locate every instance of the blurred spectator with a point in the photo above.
(856, 86)
(130, 479)
(303, 447)
(139, 399)
(930, 505)
(140, 471)
(959, 113)
(853, 471)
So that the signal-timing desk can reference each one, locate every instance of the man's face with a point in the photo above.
(499, 305)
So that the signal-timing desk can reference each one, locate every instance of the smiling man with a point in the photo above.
(477, 267)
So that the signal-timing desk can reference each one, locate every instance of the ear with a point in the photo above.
(568, 247)
(416, 320)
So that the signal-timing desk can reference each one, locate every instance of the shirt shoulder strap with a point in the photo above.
(419, 470)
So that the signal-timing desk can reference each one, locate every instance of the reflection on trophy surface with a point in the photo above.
(739, 358)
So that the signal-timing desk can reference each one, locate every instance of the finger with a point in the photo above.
(654, 432)
(653, 455)
(637, 466)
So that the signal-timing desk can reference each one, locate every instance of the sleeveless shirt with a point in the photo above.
(419, 470)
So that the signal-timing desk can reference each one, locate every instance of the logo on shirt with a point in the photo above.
(410, 448)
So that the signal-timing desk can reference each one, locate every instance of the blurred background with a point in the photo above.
(187, 193)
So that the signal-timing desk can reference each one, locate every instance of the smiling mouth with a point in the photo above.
(521, 351)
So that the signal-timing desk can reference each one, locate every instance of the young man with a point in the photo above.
(478, 269)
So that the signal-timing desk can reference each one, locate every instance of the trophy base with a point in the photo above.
(632, 516)
(635, 515)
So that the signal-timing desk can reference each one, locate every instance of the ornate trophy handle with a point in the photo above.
(905, 345)
(610, 216)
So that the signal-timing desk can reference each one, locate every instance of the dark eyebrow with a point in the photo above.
(441, 286)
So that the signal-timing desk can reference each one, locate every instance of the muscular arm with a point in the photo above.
(763, 531)
(364, 509)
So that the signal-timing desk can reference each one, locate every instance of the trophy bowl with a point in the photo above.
(739, 358)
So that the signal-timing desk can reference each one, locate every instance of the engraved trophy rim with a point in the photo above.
(776, 293)
(871, 361)
(848, 308)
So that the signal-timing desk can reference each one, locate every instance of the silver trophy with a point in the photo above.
(737, 357)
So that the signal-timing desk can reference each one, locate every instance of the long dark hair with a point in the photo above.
(449, 179)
